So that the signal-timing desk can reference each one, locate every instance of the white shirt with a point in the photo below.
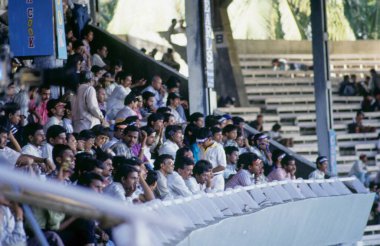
(30, 149)
(116, 190)
(47, 151)
(116, 101)
(68, 125)
(52, 121)
(217, 157)
(9, 156)
(162, 186)
(125, 113)
(97, 60)
(317, 175)
(11, 231)
(230, 170)
(160, 100)
(177, 185)
(169, 148)
(176, 115)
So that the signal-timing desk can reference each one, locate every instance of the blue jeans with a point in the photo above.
(80, 13)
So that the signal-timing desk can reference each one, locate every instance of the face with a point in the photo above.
(38, 138)
(88, 144)
(323, 167)
(157, 84)
(101, 140)
(59, 110)
(262, 143)
(178, 137)
(149, 102)
(206, 143)
(139, 102)
(150, 139)
(3, 140)
(103, 52)
(96, 185)
(186, 172)
(256, 167)
(232, 134)
(45, 95)
(157, 125)
(15, 118)
(291, 167)
(240, 141)
(171, 121)
(80, 145)
(60, 139)
(108, 168)
(175, 102)
(202, 178)
(101, 95)
(72, 143)
(127, 82)
(131, 138)
(189, 154)
(218, 137)
(260, 120)
(200, 122)
(359, 118)
(233, 157)
(118, 133)
(167, 166)
(130, 182)
(90, 36)
(11, 90)
(67, 156)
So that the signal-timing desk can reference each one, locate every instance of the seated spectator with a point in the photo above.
(99, 56)
(116, 136)
(128, 145)
(148, 104)
(172, 85)
(249, 173)
(102, 98)
(13, 118)
(173, 102)
(358, 127)
(169, 120)
(202, 178)
(359, 170)
(260, 146)
(258, 123)
(174, 140)
(164, 165)
(107, 167)
(275, 134)
(150, 138)
(56, 111)
(64, 160)
(232, 157)
(101, 138)
(230, 133)
(56, 134)
(116, 100)
(86, 140)
(158, 90)
(72, 142)
(196, 122)
(40, 108)
(184, 152)
(347, 87)
(156, 121)
(214, 153)
(151, 180)
(176, 180)
(128, 110)
(286, 171)
(11, 220)
(321, 171)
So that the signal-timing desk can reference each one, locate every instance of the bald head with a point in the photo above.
(156, 82)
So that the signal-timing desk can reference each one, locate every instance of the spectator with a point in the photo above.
(101, 138)
(11, 221)
(56, 134)
(117, 135)
(80, 13)
(249, 173)
(108, 167)
(150, 138)
(151, 180)
(286, 171)
(230, 133)
(127, 147)
(158, 90)
(173, 102)
(128, 110)
(359, 170)
(202, 176)
(258, 123)
(347, 87)
(174, 140)
(375, 81)
(56, 111)
(169, 120)
(101, 96)
(99, 56)
(368, 104)
(41, 108)
(148, 104)
(364, 87)
(321, 171)
(232, 157)
(86, 140)
(260, 146)
(214, 153)
(217, 135)
(115, 101)
(164, 165)
(168, 59)
(275, 134)
(358, 127)
(13, 119)
(85, 107)
(153, 53)
(176, 180)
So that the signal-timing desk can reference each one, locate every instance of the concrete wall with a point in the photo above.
(304, 47)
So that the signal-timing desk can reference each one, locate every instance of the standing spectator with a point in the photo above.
(368, 104)
(321, 171)
(258, 123)
(158, 90)
(214, 153)
(115, 102)
(375, 81)
(359, 170)
(364, 87)
(80, 13)
(85, 107)
(41, 107)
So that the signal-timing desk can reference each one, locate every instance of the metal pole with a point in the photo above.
(322, 84)
(34, 225)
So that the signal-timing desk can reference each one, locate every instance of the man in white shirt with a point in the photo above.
(359, 170)
(56, 134)
(158, 90)
(97, 58)
(164, 164)
(214, 153)
(176, 180)
(321, 171)
(116, 101)
(174, 140)
(35, 136)
(174, 100)
(56, 111)
(201, 182)
(130, 103)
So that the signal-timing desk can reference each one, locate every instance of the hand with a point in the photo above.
(24, 161)
(50, 165)
(141, 82)
(17, 211)
(185, 104)
(144, 136)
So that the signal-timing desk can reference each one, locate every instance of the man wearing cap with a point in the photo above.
(321, 171)
(214, 153)
(56, 111)
(174, 100)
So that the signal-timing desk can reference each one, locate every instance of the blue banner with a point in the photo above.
(60, 30)
(31, 27)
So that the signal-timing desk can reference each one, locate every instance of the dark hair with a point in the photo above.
(229, 128)
(4, 130)
(276, 154)
(100, 130)
(201, 167)
(167, 117)
(320, 160)
(257, 137)
(122, 75)
(149, 130)
(86, 135)
(285, 161)
(161, 159)
(86, 178)
(181, 152)
(246, 159)
(171, 130)
(131, 129)
(195, 117)
(230, 149)
(172, 82)
(54, 131)
(181, 163)
(203, 133)
(147, 94)
(85, 77)
(172, 96)
(78, 43)
(215, 129)
(130, 98)
(154, 117)
(10, 108)
(163, 110)
(124, 171)
(118, 161)
(211, 121)
(58, 150)
(103, 156)
(31, 129)
(276, 127)
(131, 119)
(151, 177)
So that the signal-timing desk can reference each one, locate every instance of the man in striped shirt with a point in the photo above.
(251, 166)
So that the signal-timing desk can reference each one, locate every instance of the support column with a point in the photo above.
(322, 84)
